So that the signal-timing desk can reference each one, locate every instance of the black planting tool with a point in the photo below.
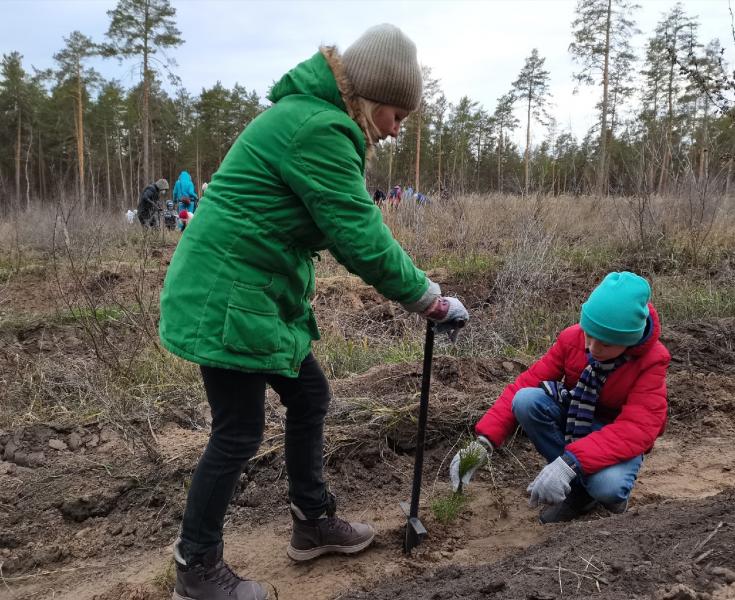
(415, 530)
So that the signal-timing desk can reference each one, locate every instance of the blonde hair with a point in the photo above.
(360, 109)
(364, 118)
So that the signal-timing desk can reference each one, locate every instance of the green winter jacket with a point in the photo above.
(238, 289)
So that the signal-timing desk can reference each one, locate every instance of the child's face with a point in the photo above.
(600, 350)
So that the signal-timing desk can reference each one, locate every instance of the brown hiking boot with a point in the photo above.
(314, 537)
(210, 578)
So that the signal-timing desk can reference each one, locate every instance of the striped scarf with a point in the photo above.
(583, 398)
(585, 394)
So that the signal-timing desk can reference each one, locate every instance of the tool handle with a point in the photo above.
(418, 464)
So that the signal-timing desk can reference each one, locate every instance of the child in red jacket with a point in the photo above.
(593, 405)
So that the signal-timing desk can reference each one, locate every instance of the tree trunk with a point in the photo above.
(93, 185)
(17, 160)
(122, 171)
(80, 137)
(198, 165)
(500, 161)
(28, 179)
(146, 101)
(601, 168)
(418, 149)
(663, 178)
(728, 178)
(138, 167)
(41, 172)
(439, 176)
(704, 154)
(107, 164)
(527, 156)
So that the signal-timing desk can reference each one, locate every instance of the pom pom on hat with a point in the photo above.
(616, 311)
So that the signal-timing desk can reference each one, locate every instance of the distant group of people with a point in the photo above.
(396, 194)
(178, 212)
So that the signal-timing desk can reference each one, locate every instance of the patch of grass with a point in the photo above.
(466, 267)
(447, 508)
(678, 298)
(587, 259)
(531, 330)
(164, 377)
(13, 322)
(9, 270)
(340, 357)
(99, 314)
(165, 579)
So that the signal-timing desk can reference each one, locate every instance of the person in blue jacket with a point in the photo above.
(185, 194)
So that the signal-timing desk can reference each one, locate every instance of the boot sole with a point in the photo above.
(179, 597)
(300, 555)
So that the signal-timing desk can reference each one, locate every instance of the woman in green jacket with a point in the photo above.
(237, 294)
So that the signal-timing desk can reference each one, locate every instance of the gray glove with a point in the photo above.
(480, 450)
(552, 484)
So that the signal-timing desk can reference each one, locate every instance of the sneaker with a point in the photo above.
(328, 533)
(576, 504)
(211, 578)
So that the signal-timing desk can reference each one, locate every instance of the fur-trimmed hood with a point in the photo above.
(312, 78)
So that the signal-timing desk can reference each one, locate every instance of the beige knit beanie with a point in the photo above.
(162, 184)
(382, 67)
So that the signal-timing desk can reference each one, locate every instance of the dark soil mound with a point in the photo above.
(702, 345)
(670, 551)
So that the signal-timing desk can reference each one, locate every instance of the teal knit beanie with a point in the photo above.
(617, 310)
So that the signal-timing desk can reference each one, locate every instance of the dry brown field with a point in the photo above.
(100, 429)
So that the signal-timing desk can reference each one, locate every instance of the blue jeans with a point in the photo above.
(544, 419)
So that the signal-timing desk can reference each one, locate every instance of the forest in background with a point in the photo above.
(665, 119)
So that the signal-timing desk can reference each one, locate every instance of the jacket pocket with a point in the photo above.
(313, 327)
(252, 325)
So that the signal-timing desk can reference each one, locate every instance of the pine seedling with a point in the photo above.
(470, 457)
(447, 508)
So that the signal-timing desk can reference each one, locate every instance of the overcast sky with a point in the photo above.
(474, 48)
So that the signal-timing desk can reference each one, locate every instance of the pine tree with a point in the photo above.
(143, 28)
(13, 104)
(505, 122)
(677, 37)
(71, 70)
(532, 87)
(601, 37)
(108, 116)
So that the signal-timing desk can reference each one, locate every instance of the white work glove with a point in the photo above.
(552, 484)
(482, 448)
(448, 315)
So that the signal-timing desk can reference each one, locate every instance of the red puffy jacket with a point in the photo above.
(632, 401)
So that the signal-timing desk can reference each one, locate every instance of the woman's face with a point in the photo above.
(388, 120)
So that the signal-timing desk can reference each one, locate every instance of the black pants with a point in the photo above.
(237, 400)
